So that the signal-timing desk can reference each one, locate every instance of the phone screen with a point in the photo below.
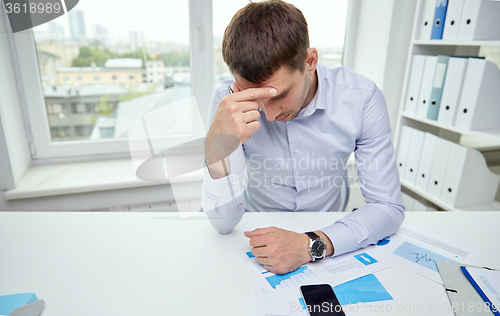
(321, 300)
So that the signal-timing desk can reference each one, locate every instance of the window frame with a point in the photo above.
(30, 90)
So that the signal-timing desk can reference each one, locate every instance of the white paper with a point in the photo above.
(263, 305)
(333, 271)
(416, 250)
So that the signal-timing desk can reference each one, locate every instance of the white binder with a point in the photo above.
(480, 20)
(468, 180)
(413, 160)
(426, 23)
(479, 106)
(417, 69)
(452, 89)
(427, 158)
(453, 18)
(439, 165)
(404, 146)
(426, 85)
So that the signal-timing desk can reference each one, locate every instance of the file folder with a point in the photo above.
(417, 141)
(425, 165)
(439, 164)
(429, 9)
(479, 106)
(452, 89)
(437, 87)
(404, 147)
(460, 291)
(453, 18)
(21, 304)
(480, 20)
(439, 19)
(416, 72)
(486, 282)
(426, 85)
(468, 181)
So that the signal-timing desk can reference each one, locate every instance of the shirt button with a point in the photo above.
(234, 182)
(240, 206)
(296, 150)
(299, 177)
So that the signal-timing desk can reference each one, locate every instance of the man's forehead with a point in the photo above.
(281, 80)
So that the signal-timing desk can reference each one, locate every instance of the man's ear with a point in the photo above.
(311, 60)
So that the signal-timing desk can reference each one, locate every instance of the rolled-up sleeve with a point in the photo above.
(378, 178)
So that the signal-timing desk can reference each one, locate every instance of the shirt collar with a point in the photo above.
(316, 101)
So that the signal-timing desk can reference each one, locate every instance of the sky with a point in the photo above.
(167, 20)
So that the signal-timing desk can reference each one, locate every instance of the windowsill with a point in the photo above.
(81, 177)
(92, 176)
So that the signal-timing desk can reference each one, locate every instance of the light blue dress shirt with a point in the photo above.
(300, 166)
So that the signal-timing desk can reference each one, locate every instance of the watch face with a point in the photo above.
(318, 248)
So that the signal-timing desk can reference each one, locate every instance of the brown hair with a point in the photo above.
(264, 36)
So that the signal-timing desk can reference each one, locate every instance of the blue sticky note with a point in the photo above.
(365, 259)
(362, 290)
(8, 303)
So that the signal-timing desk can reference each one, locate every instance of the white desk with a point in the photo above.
(158, 264)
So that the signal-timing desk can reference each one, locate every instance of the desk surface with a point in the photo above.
(159, 264)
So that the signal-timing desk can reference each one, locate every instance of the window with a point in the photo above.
(91, 115)
(104, 104)
(326, 20)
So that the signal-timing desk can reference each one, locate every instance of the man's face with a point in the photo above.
(293, 89)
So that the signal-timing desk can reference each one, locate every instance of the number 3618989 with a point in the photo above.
(33, 8)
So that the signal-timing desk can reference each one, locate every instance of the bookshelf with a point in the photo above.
(443, 130)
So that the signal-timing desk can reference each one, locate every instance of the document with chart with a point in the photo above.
(355, 297)
(417, 250)
(334, 271)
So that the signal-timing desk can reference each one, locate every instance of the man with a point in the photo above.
(298, 122)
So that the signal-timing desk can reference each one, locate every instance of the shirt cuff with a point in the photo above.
(218, 192)
(342, 238)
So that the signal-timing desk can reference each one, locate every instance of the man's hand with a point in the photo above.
(282, 251)
(237, 113)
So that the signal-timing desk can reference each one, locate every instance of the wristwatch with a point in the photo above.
(317, 246)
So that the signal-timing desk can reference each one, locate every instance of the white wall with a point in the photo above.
(112, 200)
(377, 43)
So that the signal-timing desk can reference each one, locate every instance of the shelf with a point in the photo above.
(455, 43)
(495, 206)
(490, 135)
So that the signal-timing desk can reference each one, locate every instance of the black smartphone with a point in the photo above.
(320, 300)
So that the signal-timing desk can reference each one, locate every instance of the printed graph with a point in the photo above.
(419, 255)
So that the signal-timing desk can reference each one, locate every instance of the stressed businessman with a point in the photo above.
(297, 122)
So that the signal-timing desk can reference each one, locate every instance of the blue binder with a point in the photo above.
(437, 87)
(439, 19)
